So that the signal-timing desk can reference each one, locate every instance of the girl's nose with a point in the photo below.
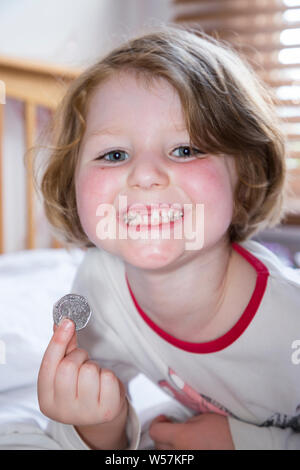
(147, 174)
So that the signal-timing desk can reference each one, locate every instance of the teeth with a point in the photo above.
(164, 216)
(155, 217)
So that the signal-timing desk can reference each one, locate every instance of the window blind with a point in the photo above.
(267, 34)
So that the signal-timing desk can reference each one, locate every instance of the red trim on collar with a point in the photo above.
(235, 332)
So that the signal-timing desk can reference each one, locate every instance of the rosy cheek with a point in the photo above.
(207, 182)
(93, 187)
(204, 181)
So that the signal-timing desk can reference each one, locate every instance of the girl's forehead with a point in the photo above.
(124, 98)
(123, 87)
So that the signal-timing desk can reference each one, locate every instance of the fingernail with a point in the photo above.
(162, 418)
(66, 324)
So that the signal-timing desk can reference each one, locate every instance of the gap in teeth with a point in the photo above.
(136, 218)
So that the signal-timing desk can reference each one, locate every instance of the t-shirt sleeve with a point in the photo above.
(104, 345)
(57, 436)
(26, 436)
(69, 439)
(248, 436)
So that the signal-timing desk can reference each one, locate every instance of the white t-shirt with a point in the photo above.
(250, 374)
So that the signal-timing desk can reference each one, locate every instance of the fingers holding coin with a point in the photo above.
(72, 306)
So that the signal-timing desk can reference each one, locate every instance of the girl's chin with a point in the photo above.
(144, 253)
(151, 256)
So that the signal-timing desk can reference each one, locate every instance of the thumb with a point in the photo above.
(72, 343)
(161, 430)
(161, 419)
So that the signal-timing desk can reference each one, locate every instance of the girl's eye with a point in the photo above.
(186, 153)
(117, 154)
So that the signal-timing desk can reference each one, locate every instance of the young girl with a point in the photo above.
(171, 122)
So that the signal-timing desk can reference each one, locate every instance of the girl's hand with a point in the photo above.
(207, 431)
(73, 389)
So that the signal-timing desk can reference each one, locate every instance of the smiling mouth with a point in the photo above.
(155, 218)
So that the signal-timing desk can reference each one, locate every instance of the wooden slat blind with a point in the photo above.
(267, 33)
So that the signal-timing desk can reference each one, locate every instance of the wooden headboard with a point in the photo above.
(34, 84)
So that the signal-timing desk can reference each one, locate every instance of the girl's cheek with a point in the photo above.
(93, 187)
(208, 183)
(202, 181)
(205, 182)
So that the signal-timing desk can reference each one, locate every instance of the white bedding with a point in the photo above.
(30, 283)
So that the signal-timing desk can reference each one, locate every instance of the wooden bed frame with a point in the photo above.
(39, 84)
(34, 84)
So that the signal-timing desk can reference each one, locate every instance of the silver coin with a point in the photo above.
(72, 306)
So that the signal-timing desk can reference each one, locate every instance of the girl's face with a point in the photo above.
(142, 133)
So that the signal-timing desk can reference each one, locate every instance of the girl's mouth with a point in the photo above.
(153, 220)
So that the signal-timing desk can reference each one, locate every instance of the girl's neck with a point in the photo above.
(186, 297)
